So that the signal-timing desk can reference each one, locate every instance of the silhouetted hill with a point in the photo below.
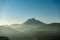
(33, 21)
(55, 24)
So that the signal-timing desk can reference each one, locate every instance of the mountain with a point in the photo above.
(35, 25)
(33, 21)
(28, 25)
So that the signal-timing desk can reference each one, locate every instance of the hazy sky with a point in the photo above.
(18, 11)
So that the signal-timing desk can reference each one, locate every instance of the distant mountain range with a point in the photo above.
(33, 24)
(33, 21)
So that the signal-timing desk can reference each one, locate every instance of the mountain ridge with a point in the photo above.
(35, 22)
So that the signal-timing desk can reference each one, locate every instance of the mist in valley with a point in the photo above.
(32, 29)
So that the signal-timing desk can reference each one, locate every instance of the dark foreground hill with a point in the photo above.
(4, 38)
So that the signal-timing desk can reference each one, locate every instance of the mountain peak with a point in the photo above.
(33, 21)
